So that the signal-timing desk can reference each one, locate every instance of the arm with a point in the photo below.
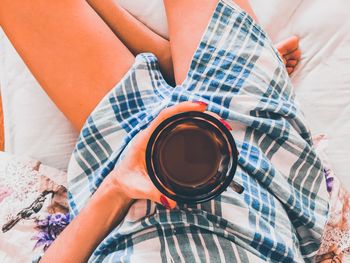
(135, 35)
(109, 204)
(104, 211)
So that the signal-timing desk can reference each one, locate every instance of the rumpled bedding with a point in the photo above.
(312, 82)
(237, 71)
(22, 179)
(321, 80)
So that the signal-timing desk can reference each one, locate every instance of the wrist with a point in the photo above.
(113, 189)
(110, 202)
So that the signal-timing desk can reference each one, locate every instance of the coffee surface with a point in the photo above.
(189, 155)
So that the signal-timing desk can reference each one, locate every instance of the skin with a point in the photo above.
(90, 57)
(86, 43)
(194, 19)
(108, 205)
(68, 37)
(135, 35)
(290, 52)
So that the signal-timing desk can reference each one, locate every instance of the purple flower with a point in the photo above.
(49, 228)
(329, 183)
(329, 179)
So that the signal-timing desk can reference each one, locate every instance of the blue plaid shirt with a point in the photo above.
(238, 72)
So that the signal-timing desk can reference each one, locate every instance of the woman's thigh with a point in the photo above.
(69, 49)
(187, 21)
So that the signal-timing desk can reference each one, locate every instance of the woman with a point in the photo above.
(281, 215)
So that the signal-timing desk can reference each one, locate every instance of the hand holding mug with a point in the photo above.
(130, 175)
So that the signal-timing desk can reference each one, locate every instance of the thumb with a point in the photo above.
(178, 108)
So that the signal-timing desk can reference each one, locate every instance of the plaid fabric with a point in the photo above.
(282, 212)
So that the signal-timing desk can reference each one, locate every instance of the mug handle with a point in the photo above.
(237, 187)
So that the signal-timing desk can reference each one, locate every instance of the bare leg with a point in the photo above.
(77, 59)
(138, 38)
(69, 49)
(185, 33)
(187, 20)
(135, 35)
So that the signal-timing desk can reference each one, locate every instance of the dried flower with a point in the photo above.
(329, 179)
(49, 228)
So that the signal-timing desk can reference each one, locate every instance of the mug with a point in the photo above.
(191, 157)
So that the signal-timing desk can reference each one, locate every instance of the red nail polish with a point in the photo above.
(202, 103)
(164, 201)
(228, 126)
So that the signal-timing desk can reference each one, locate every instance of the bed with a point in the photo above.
(34, 127)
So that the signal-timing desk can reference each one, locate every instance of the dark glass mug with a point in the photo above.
(191, 157)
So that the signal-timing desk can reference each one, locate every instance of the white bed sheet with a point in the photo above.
(35, 127)
(322, 80)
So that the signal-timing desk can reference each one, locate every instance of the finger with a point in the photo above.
(160, 198)
(295, 55)
(143, 188)
(288, 45)
(292, 63)
(224, 122)
(284, 61)
(176, 109)
(167, 202)
(290, 70)
(150, 191)
(167, 113)
(213, 114)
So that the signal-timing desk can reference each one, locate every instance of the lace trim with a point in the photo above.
(336, 237)
(19, 185)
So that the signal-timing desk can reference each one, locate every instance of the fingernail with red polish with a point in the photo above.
(164, 201)
(228, 126)
(202, 103)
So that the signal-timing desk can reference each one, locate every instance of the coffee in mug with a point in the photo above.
(192, 157)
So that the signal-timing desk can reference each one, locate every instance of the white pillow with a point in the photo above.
(33, 125)
(322, 80)
(150, 12)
